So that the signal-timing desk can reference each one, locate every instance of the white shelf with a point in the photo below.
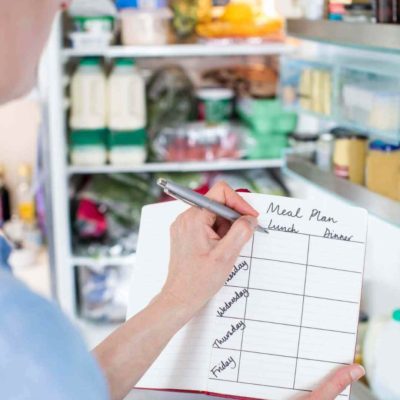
(381, 207)
(182, 50)
(178, 167)
(101, 262)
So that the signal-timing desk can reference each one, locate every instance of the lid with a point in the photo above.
(126, 4)
(125, 62)
(304, 137)
(83, 19)
(344, 133)
(136, 137)
(90, 62)
(379, 145)
(215, 94)
(88, 137)
(396, 315)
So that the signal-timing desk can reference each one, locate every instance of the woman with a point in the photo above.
(41, 355)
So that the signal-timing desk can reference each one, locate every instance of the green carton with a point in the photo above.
(269, 125)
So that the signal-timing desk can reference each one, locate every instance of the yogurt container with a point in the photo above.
(215, 105)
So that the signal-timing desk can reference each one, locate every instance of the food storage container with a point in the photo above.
(145, 26)
(199, 141)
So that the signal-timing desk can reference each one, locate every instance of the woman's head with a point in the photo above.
(24, 29)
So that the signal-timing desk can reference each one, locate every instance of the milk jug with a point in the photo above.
(88, 96)
(126, 97)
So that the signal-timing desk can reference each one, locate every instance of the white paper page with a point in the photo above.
(303, 283)
(184, 363)
(287, 315)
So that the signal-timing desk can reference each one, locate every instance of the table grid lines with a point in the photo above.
(302, 312)
(245, 308)
(292, 294)
(292, 325)
(284, 356)
(303, 265)
(295, 379)
(317, 236)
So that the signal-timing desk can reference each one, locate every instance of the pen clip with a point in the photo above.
(177, 197)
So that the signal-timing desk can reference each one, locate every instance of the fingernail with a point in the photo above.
(357, 372)
(253, 222)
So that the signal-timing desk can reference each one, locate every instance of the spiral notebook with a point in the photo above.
(287, 315)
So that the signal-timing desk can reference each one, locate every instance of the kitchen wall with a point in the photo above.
(19, 123)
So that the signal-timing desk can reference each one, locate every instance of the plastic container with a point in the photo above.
(126, 97)
(88, 148)
(350, 155)
(201, 142)
(382, 357)
(383, 169)
(304, 145)
(92, 32)
(307, 85)
(215, 105)
(88, 96)
(145, 27)
(269, 126)
(104, 294)
(101, 24)
(127, 148)
(324, 152)
(91, 41)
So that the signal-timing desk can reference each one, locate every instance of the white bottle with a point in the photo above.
(88, 96)
(383, 355)
(126, 97)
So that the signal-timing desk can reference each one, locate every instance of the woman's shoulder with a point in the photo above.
(41, 352)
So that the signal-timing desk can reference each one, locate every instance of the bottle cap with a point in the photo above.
(125, 62)
(90, 62)
(396, 315)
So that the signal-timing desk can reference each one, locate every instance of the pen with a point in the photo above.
(197, 200)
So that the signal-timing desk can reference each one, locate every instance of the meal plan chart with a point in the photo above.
(287, 315)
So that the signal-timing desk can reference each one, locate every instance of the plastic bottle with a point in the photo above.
(5, 211)
(88, 96)
(383, 358)
(127, 97)
(25, 195)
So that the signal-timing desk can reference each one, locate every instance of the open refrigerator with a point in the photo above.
(346, 67)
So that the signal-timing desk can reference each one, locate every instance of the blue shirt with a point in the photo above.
(42, 356)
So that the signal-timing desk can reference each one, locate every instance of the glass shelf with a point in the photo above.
(380, 37)
(381, 207)
(202, 166)
(182, 50)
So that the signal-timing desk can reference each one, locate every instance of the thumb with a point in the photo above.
(230, 246)
(338, 382)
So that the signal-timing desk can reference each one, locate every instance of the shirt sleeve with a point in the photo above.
(42, 356)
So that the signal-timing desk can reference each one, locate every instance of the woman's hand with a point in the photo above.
(336, 383)
(204, 249)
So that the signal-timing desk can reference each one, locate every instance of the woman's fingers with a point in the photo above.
(224, 194)
(338, 382)
(229, 247)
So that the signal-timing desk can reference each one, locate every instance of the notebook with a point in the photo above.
(287, 315)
